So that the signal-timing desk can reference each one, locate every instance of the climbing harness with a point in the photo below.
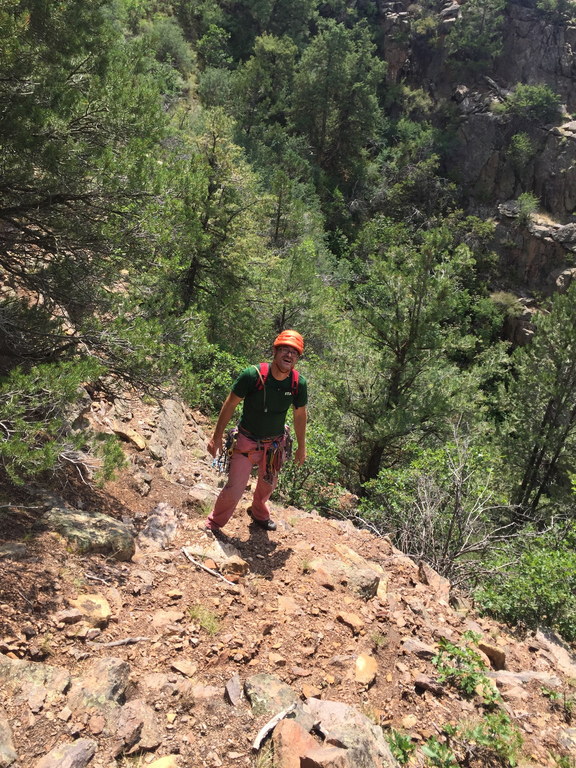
(277, 450)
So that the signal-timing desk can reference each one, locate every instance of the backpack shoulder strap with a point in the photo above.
(262, 370)
(295, 380)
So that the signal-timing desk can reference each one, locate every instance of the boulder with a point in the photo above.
(160, 529)
(344, 727)
(268, 695)
(361, 580)
(103, 684)
(7, 752)
(91, 531)
(75, 755)
(167, 442)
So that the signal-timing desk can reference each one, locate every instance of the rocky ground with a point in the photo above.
(129, 637)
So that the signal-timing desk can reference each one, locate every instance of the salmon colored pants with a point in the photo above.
(240, 468)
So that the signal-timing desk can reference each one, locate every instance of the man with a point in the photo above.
(261, 432)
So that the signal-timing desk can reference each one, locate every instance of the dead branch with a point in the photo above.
(270, 725)
(115, 643)
(205, 568)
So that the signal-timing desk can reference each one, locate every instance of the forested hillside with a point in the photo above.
(181, 180)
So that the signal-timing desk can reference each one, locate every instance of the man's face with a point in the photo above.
(285, 357)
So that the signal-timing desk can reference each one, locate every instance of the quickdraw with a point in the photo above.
(278, 452)
(222, 462)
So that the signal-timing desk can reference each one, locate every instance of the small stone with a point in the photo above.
(277, 659)
(366, 668)
(409, 721)
(169, 761)
(95, 609)
(163, 618)
(186, 668)
(352, 620)
(96, 724)
(310, 691)
(234, 690)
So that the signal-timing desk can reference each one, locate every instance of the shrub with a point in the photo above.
(527, 205)
(521, 150)
(313, 485)
(401, 746)
(536, 585)
(463, 668)
(534, 102)
(166, 39)
(35, 431)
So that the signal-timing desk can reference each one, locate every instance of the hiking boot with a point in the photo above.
(267, 525)
(213, 533)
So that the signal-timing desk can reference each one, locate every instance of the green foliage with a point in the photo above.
(111, 457)
(409, 300)
(564, 761)
(539, 432)
(463, 668)
(560, 10)
(521, 150)
(401, 746)
(213, 47)
(475, 39)
(264, 83)
(495, 740)
(335, 103)
(439, 755)
(534, 102)
(535, 584)
(491, 741)
(313, 485)
(527, 205)
(206, 618)
(562, 702)
(35, 433)
(166, 39)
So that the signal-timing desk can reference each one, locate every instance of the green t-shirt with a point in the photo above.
(264, 411)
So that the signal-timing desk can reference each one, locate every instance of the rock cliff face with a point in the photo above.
(537, 49)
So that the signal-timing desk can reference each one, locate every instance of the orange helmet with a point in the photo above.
(290, 339)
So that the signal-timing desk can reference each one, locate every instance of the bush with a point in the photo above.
(314, 485)
(536, 586)
(166, 39)
(534, 102)
(35, 431)
(521, 150)
(527, 206)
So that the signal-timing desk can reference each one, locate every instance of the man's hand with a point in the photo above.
(214, 446)
(300, 455)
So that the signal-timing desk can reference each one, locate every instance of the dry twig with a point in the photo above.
(205, 568)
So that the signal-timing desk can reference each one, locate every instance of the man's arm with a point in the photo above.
(215, 444)
(300, 418)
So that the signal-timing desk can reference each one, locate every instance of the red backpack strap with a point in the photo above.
(262, 370)
(295, 380)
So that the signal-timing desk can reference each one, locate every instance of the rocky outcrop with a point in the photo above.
(538, 49)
